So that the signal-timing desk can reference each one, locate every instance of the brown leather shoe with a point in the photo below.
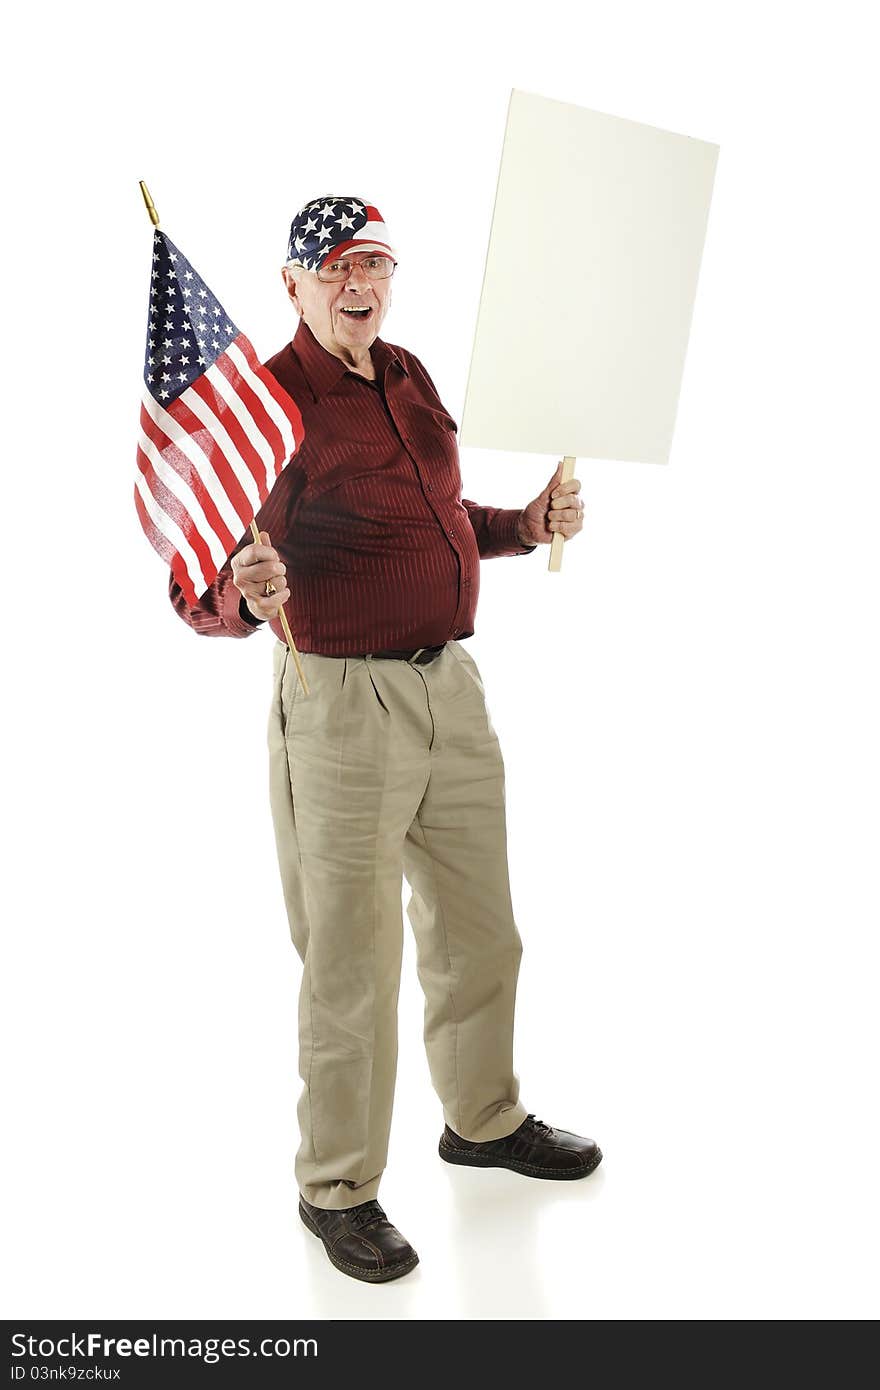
(535, 1149)
(361, 1241)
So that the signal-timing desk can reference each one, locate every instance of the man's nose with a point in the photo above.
(358, 278)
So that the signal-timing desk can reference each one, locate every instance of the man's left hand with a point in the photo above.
(558, 508)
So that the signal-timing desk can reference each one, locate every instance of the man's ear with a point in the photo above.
(290, 286)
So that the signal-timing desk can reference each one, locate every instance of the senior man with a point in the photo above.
(390, 765)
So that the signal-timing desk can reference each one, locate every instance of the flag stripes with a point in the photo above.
(208, 459)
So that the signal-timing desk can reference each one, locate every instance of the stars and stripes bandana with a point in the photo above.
(216, 427)
(336, 225)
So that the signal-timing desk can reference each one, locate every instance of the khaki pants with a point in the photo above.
(387, 768)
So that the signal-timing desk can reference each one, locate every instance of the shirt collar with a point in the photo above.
(322, 370)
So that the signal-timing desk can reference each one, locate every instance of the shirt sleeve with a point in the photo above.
(495, 530)
(220, 612)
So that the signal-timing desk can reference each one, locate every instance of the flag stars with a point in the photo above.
(188, 326)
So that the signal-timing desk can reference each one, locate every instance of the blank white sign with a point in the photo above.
(589, 287)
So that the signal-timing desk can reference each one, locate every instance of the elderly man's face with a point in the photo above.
(335, 311)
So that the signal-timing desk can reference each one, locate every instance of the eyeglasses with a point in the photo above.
(374, 267)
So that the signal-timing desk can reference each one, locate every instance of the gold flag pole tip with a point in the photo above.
(151, 206)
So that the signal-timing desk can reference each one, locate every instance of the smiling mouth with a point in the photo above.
(362, 312)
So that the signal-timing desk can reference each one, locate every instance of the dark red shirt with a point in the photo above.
(382, 551)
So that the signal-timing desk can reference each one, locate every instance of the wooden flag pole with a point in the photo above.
(558, 540)
(270, 588)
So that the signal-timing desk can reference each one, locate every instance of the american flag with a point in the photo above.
(216, 427)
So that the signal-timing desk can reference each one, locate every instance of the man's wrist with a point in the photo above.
(246, 614)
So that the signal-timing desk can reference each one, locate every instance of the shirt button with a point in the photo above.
(428, 487)
(452, 531)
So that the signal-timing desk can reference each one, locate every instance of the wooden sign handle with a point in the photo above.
(558, 540)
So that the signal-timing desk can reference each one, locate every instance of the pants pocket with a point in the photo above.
(469, 665)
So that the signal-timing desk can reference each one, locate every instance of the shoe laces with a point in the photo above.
(367, 1214)
(538, 1125)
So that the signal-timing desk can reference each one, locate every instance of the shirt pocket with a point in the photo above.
(432, 436)
(346, 461)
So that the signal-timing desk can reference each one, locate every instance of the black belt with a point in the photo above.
(420, 657)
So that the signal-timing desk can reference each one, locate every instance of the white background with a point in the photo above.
(688, 711)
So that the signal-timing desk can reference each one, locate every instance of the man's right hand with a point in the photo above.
(251, 568)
